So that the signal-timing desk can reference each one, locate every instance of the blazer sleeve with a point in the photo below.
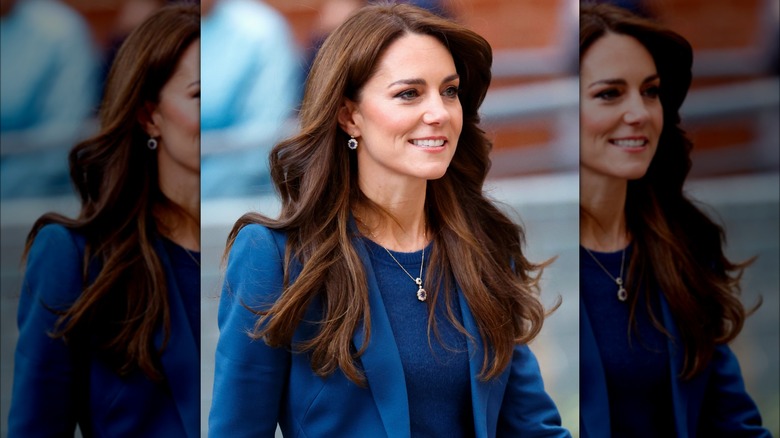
(527, 410)
(45, 380)
(728, 410)
(250, 377)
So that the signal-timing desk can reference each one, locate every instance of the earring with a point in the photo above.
(352, 143)
(151, 143)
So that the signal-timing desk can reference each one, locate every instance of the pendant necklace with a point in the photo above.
(422, 294)
(622, 294)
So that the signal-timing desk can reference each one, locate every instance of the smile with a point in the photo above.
(629, 142)
(428, 143)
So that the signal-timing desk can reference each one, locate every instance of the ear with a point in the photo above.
(146, 117)
(349, 118)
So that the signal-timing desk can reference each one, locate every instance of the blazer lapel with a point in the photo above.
(480, 391)
(180, 359)
(681, 389)
(594, 401)
(381, 360)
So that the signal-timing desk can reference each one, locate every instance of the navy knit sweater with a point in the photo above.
(187, 272)
(436, 368)
(636, 362)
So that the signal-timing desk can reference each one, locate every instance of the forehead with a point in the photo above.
(188, 66)
(413, 56)
(617, 56)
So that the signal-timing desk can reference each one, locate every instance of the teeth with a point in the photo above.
(428, 143)
(628, 143)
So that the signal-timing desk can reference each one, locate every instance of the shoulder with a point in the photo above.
(255, 264)
(53, 271)
(256, 240)
(55, 241)
(253, 281)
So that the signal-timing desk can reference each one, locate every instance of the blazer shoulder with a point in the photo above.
(56, 239)
(53, 269)
(259, 238)
(255, 267)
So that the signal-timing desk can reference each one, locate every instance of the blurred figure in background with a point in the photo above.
(48, 91)
(109, 312)
(252, 83)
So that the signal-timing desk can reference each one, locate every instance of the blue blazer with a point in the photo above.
(55, 387)
(713, 403)
(256, 386)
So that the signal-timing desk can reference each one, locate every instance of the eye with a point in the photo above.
(652, 91)
(408, 94)
(451, 91)
(608, 94)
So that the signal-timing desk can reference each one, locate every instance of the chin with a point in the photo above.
(432, 174)
(635, 174)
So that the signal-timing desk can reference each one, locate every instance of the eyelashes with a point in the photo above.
(408, 94)
(653, 91)
(451, 91)
(608, 94)
(611, 94)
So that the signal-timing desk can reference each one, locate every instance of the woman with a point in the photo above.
(659, 300)
(109, 310)
(390, 297)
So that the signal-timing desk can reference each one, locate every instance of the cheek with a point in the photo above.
(594, 123)
(190, 117)
(376, 119)
(185, 114)
(456, 115)
(658, 118)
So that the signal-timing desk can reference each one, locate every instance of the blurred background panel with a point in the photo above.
(55, 56)
(731, 115)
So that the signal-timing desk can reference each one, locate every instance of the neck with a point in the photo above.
(181, 222)
(400, 224)
(602, 213)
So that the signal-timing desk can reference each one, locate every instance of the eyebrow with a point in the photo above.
(419, 81)
(622, 81)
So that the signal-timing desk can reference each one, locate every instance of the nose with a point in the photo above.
(637, 111)
(436, 111)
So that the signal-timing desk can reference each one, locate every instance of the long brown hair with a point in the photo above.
(115, 175)
(677, 248)
(475, 244)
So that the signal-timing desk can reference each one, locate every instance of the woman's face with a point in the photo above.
(176, 118)
(620, 112)
(408, 116)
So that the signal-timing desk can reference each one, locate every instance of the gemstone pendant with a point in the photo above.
(422, 295)
(622, 294)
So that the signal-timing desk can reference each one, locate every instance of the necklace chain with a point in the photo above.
(422, 294)
(622, 294)
(191, 256)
